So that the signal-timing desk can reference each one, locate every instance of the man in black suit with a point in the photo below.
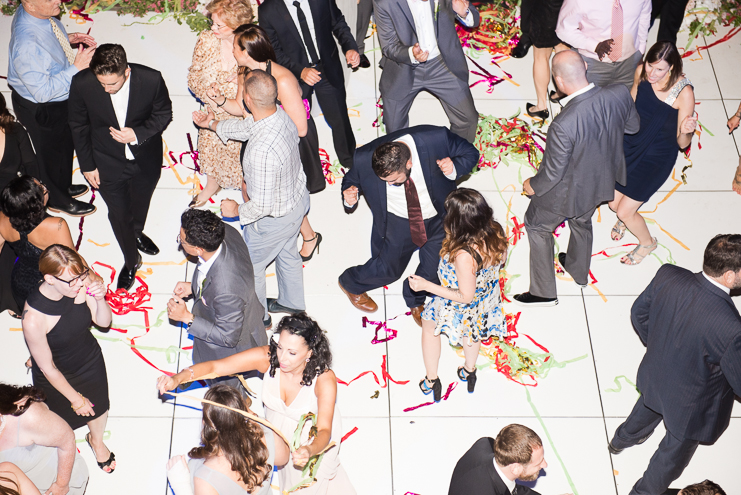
(692, 367)
(420, 163)
(492, 466)
(301, 34)
(117, 113)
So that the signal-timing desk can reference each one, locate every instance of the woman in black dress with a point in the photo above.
(67, 361)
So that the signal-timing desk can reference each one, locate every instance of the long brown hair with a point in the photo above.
(666, 51)
(470, 225)
(6, 490)
(240, 440)
(6, 118)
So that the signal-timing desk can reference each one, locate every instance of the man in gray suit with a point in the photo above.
(692, 367)
(227, 316)
(582, 161)
(422, 52)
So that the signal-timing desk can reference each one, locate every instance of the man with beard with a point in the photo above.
(692, 367)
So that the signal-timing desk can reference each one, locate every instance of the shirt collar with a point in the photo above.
(718, 285)
(510, 484)
(583, 90)
(204, 266)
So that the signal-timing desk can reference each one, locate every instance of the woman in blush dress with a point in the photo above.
(214, 65)
(665, 100)
(298, 380)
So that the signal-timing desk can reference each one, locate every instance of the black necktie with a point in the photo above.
(306, 33)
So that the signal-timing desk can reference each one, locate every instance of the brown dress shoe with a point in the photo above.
(417, 314)
(362, 301)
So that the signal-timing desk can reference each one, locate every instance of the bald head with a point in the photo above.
(569, 71)
(261, 88)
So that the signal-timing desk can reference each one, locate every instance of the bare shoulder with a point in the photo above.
(52, 225)
(326, 382)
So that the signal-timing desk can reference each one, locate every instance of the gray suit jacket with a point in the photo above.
(584, 152)
(228, 315)
(397, 33)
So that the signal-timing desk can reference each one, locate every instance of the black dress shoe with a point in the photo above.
(542, 114)
(527, 299)
(74, 208)
(127, 277)
(274, 307)
(615, 451)
(146, 246)
(77, 190)
(562, 261)
(522, 47)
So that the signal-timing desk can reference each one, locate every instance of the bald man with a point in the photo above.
(582, 161)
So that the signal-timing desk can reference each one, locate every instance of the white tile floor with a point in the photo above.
(574, 409)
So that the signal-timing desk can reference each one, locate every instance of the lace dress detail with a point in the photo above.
(676, 89)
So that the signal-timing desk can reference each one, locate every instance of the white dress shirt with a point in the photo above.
(425, 28)
(583, 24)
(120, 101)
(565, 101)
(306, 8)
(510, 484)
(203, 268)
(718, 285)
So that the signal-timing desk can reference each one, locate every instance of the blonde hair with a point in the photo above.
(234, 13)
(56, 258)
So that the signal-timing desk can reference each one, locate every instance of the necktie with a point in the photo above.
(63, 40)
(616, 31)
(306, 33)
(416, 222)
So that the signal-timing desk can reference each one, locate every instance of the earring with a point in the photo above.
(308, 359)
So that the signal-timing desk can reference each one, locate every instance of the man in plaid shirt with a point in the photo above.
(274, 190)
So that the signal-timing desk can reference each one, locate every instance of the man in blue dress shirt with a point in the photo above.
(41, 64)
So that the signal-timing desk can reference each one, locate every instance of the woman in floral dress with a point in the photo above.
(467, 307)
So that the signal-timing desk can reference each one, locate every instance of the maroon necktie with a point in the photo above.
(416, 222)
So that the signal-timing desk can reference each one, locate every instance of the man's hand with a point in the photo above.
(183, 289)
(56, 489)
(446, 165)
(178, 311)
(311, 76)
(529, 191)
(733, 123)
(688, 125)
(737, 178)
(93, 178)
(353, 58)
(460, 7)
(419, 54)
(85, 39)
(82, 59)
(604, 48)
(201, 119)
(229, 208)
(350, 195)
(125, 135)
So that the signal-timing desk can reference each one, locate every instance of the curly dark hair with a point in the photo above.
(229, 433)
(390, 158)
(203, 229)
(6, 118)
(10, 394)
(306, 327)
(22, 201)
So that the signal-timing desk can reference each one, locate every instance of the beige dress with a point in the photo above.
(219, 162)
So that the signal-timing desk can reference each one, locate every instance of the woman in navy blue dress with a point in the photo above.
(665, 100)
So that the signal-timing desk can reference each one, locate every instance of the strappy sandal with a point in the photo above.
(633, 258)
(436, 389)
(102, 465)
(618, 231)
(468, 376)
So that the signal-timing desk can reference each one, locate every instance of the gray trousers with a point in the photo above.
(669, 460)
(604, 74)
(365, 9)
(454, 95)
(540, 224)
(274, 239)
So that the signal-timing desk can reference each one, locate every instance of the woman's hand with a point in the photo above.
(83, 407)
(97, 290)
(175, 460)
(689, 124)
(301, 456)
(166, 383)
(733, 123)
(214, 94)
(417, 283)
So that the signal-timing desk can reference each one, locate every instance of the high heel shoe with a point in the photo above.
(541, 114)
(469, 377)
(318, 238)
(555, 96)
(194, 203)
(436, 388)
(618, 231)
(633, 258)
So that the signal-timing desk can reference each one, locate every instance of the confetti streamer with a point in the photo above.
(620, 386)
(384, 374)
(382, 325)
(445, 396)
(347, 435)
(498, 31)
(82, 221)
(507, 140)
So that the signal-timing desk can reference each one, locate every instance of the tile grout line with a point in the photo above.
(599, 390)
(720, 92)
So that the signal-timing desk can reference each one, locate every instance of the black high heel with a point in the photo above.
(436, 389)
(318, 237)
(469, 377)
(542, 114)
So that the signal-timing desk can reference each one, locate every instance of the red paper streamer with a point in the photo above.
(382, 325)
(728, 36)
(488, 77)
(82, 221)
(347, 435)
(445, 397)
(384, 374)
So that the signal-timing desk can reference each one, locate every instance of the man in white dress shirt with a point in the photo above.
(422, 52)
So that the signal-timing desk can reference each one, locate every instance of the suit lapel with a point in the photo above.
(404, 7)
(288, 20)
(134, 86)
(434, 17)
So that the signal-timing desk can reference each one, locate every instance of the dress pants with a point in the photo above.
(667, 463)
(540, 224)
(127, 199)
(365, 10)
(274, 239)
(48, 126)
(672, 15)
(604, 74)
(334, 106)
(390, 255)
(454, 95)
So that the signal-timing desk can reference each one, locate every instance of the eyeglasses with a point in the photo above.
(80, 278)
(43, 187)
(182, 241)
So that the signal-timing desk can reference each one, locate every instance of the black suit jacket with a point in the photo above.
(91, 114)
(290, 50)
(433, 143)
(692, 366)
(475, 474)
